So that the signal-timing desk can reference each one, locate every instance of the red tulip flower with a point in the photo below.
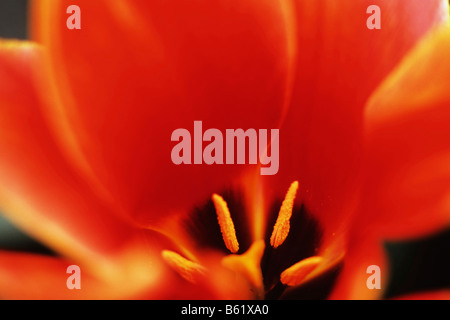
(87, 117)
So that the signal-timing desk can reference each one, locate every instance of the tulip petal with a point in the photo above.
(406, 190)
(408, 130)
(138, 70)
(32, 276)
(27, 276)
(39, 191)
(340, 63)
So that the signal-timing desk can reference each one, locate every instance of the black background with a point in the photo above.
(13, 22)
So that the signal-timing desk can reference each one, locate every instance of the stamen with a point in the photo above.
(282, 226)
(226, 223)
(297, 273)
(189, 270)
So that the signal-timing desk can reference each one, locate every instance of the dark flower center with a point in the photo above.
(302, 242)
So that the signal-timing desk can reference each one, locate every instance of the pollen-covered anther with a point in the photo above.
(282, 225)
(226, 223)
(188, 269)
(297, 273)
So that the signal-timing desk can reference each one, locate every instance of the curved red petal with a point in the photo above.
(408, 150)
(340, 63)
(27, 276)
(138, 70)
(428, 295)
(407, 173)
(39, 190)
(30, 276)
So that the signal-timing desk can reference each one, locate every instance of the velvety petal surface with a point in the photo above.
(138, 70)
(33, 276)
(339, 64)
(406, 189)
(39, 191)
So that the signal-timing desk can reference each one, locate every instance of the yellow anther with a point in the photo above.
(188, 269)
(297, 273)
(282, 225)
(226, 224)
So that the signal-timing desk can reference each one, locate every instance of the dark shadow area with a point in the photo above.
(13, 239)
(419, 264)
(13, 19)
